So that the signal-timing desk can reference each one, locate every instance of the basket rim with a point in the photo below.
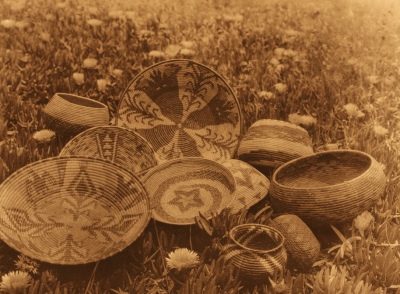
(266, 228)
(274, 181)
(258, 123)
(60, 94)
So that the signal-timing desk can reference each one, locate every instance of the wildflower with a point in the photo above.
(21, 24)
(290, 53)
(90, 63)
(45, 37)
(187, 52)
(102, 84)
(117, 72)
(305, 120)
(79, 78)
(274, 61)
(8, 23)
(363, 221)
(43, 136)
(94, 22)
(369, 107)
(187, 44)
(353, 111)
(26, 264)
(182, 258)
(156, 54)
(280, 88)
(279, 68)
(172, 50)
(118, 14)
(279, 52)
(266, 95)
(373, 79)
(15, 281)
(380, 131)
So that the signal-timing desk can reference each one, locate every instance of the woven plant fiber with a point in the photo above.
(72, 210)
(257, 250)
(271, 143)
(251, 185)
(69, 114)
(300, 242)
(118, 145)
(184, 109)
(181, 188)
(328, 187)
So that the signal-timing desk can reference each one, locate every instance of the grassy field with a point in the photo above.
(332, 67)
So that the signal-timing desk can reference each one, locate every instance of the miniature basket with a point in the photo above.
(301, 244)
(182, 188)
(184, 109)
(269, 143)
(70, 114)
(257, 250)
(118, 145)
(72, 210)
(328, 187)
(251, 185)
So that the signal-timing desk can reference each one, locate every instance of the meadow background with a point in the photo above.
(332, 67)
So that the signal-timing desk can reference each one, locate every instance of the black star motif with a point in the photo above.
(187, 199)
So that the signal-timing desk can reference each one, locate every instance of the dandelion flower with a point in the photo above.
(117, 72)
(156, 54)
(182, 258)
(308, 120)
(380, 131)
(8, 23)
(43, 136)
(79, 78)
(15, 281)
(21, 24)
(369, 107)
(187, 44)
(353, 111)
(102, 84)
(279, 68)
(280, 88)
(266, 95)
(187, 52)
(90, 63)
(363, 221)
(94, 22)
(274, 61)
(172, 50)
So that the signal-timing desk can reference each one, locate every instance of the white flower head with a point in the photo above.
(187, 52)
(90, 62)
(79, 78)
(156, 54)
(94, 22)
(15, 281)
(363, 221)
(280, 88)
(380, 131)
(266, 95)
(8, 23)
(182, 258)
(43, 136)
(102, 84)
(353, 111)
(117, 72)
(187, 44)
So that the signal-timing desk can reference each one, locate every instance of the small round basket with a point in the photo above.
(257, 250)
(181, 188)
(251, 185)
(300, 242)
(118, 145)
(69, 114)
(328, 187)
(72, 210)
(269, 143)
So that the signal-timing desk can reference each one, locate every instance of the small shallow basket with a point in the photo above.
(251, 185)
(118, 145)
(269, 143)
(72, 210)
(301, 244)
(181, 188)
(328, 187)
(257, 250)
(69, 114)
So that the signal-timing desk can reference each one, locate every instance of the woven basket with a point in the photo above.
(327, 187)
(184, 109)
(270, 143)
(72, 210)
(70, 114)
(181, 188)
(300, 242)
(251, 185)
(257, 250)
(118, 145)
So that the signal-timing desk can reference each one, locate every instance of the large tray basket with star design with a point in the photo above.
(184, 109)
(72, 210)
(182, 188)
(118, 145)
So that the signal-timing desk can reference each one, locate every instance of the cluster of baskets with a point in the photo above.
(177, 149)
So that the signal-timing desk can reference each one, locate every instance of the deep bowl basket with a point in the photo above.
(257, 250)
(69, 114)
(72, 210)
(328, 187)
(118, 145)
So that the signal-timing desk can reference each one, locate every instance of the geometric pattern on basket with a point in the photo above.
(271, 143)
(70, 114)
(300, 242)
(72, 210)
(118, 145)
(181, 188)
(327, 187)
(257, 250)
(184, 109)
(251, 185)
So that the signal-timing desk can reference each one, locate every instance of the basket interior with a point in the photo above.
(80, 101)
(257, 239)
(323, 170)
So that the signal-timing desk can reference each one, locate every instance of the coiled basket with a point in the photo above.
(328, 187)
(257, 250)
(69, 114)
